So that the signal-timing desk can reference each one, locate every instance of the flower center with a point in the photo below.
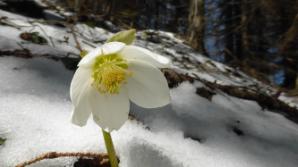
(109, 72)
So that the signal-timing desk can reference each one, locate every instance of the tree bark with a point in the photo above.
(290, 36)
(197, 25)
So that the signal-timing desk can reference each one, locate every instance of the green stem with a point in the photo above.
(110, 148)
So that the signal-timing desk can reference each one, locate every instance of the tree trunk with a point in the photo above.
(290, 36)
(245, 18)
(233, 34)
(197, 25)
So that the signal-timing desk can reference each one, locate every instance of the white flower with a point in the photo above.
(111, 75)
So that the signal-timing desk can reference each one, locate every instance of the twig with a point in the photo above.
(53, 155)
(89, 44)
(75, 38)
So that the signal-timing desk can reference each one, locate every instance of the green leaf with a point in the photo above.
(2, 141)
(126, 36)
(33, 37)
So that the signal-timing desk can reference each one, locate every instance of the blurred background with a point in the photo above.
(259, 37)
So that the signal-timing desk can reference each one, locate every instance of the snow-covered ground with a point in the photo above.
(190, 132)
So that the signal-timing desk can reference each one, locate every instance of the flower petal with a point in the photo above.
(79, 93)
(81, 111)
(108, 48)
(81, 79)
(112, 47)
(137, 53)
(147, 87)
(110, 111)
(88, 60)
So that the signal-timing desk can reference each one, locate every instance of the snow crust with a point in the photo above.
(291, 101)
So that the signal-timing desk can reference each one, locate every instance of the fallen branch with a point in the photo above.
(70, 62)
(265, 100)
(53, 155)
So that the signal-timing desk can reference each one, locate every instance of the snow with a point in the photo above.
(192, 131)
(290, 100)
(61, 40)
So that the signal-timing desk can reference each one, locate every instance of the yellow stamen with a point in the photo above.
(109, 73)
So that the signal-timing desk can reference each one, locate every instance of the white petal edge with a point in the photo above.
(106, 49)
(82, 111)
(80, 80)
(112, 47)
(147, 87)
(131, 52)
(110, 111)
(89, 59)
(79, 93)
